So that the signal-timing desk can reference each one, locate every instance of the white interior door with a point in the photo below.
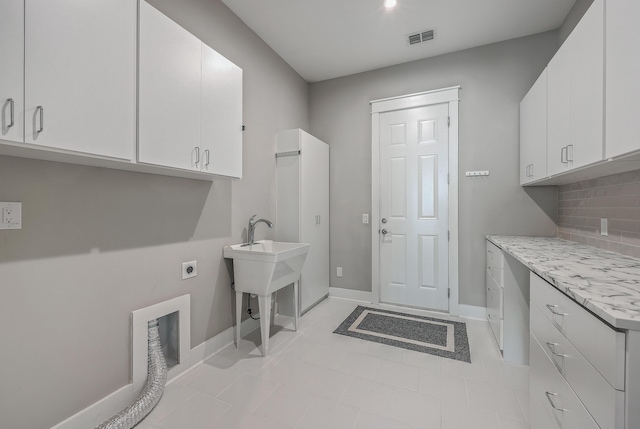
(414, 204)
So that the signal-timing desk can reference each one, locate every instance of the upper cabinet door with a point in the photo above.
(533, 132)
(11, 70)
(559, 105)
(80, 75)
(169, 92)
(576, 96)
(221, 126)
(623, 69)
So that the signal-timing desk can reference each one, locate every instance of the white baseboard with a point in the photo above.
(112, 404)
(472, 312)
(354, 295)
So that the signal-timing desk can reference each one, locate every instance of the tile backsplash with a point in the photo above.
(582, 205)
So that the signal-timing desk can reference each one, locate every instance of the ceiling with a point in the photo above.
(324, 39)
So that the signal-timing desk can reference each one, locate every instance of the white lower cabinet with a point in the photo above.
(563, 408)
(573, 361)
(507, 288)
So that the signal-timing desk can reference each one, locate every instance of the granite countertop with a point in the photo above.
(606, 283)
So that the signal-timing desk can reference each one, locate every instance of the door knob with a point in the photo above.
(384, 231)
(384, 220)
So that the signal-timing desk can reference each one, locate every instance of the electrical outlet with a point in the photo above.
(339, 271)
(10, 215)
(365, 218)
(189, 269)
(604, 226)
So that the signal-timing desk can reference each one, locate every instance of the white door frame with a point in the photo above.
(440, 96)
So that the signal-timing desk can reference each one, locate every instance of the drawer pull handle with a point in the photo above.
(552, 349)
(552, 309)
(549, 395)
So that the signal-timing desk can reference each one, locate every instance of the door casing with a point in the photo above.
(440, 96)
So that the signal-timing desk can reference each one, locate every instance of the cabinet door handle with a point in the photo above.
(197, 151)
(563, 155)
(40, 109)
(207, 155)
(552, 309)
(570, 153)
(11, 112)
(552, 348)
(549, 395)
(531, 170)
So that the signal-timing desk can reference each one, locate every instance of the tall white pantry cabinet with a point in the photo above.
(302, 209)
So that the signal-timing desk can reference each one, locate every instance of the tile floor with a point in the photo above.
(314, 379)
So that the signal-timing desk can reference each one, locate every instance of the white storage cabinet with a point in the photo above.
(507, 285)
(622, 71)
(533, 132)
(12, 70)
(576, 96)
(303, 210)
(80, 76)
(190, 100)
(75, 63)
(578, 375)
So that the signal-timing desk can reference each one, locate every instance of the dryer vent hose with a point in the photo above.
(153, 390)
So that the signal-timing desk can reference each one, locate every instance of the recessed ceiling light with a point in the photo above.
(390, 4)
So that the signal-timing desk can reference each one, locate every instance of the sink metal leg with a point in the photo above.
(295, 305)
(238, 316)
(264, 305)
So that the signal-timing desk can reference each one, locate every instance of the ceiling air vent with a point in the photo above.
(423, 36)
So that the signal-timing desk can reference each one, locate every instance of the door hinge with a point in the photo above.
(449, 293)
(448, 121)
(448, 179)
(448, 235)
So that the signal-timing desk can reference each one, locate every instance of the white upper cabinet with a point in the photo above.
(576, 96)
(221, 115)
(169, 92)
(11, 70)
(80, 76)
(533, 132)
(190, 100)
(622, 77)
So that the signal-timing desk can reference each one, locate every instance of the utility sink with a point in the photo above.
(262, 268)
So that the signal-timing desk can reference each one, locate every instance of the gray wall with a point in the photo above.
(97, 244)
(581, 205)
(494, 79)
(572, 19)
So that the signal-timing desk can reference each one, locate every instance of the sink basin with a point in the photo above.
(266, 266)
(262, 268)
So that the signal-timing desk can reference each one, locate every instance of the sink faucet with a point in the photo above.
(252, 227)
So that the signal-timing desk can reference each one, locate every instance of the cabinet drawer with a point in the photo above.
(495, 297)
(561, 405)
(495, 263)
(603, 346)
(598, 396)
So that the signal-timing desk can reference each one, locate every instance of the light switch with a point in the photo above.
(11, 213)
